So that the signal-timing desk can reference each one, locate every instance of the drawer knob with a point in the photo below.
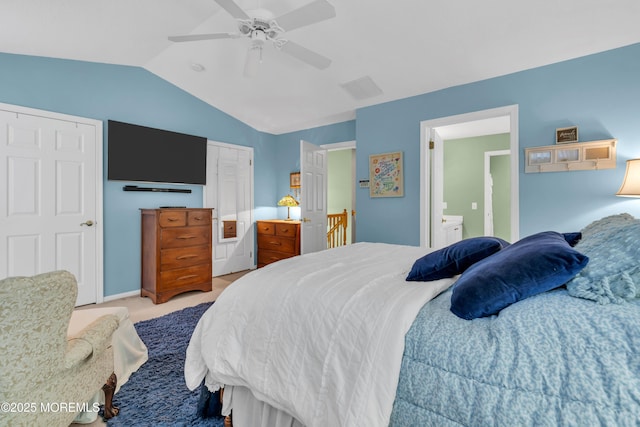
(275, 243)
(187, 256)
(187, 236)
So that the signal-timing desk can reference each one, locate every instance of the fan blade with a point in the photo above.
(196, 37)
(305, 55)
(316, 11)
(233, 9)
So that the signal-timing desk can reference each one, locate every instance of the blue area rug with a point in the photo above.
(156, 395)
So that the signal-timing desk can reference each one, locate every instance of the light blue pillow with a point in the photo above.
(454, 259)
(533, 265)
(613, 274)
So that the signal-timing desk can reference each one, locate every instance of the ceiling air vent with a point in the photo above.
(362, 88)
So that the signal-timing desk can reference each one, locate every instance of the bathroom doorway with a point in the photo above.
(433, 133)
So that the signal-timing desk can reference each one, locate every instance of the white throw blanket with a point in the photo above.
(320, 336)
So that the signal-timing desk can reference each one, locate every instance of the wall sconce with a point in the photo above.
(631, 184)
(289, 202)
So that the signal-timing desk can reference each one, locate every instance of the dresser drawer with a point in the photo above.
(183, 236)
(266, 228)
(199, 217)
(286, 230)
(172, 219)
(276, 243)
(267, 257)
(184, 257)
(181, 277)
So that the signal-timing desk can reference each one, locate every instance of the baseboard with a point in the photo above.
(122, 295)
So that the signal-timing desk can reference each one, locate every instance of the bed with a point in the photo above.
(544, 331)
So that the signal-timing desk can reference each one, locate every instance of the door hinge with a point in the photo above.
(250, 162)
(431, 144)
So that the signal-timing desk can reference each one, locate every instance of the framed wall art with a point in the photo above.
(294, 180)
(567, 135)
(386, 175)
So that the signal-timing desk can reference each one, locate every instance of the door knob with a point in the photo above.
(88, 223)
(306, 220)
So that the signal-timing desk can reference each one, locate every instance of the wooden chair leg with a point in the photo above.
(228, 421)
(109, 388)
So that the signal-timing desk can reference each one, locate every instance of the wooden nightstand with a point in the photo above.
(277, 239)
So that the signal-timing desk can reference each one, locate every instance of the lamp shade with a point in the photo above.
(631, 185)
(289, 201)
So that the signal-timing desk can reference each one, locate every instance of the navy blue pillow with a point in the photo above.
(572, 238)
(533, 265)
(454, 259)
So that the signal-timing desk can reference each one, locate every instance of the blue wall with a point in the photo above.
(133, 95)
(599, 93)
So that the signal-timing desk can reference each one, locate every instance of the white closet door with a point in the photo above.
(50, 201)
(229, 191)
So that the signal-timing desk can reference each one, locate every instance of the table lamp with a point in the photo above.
(289, 202)
(631, 184)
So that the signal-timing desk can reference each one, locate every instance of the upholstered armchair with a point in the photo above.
(45, 377)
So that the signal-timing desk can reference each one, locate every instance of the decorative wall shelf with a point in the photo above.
(571, 157)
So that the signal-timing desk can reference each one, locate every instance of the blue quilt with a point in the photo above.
(550, 360)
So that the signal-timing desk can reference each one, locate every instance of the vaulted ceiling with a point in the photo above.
(405, 47)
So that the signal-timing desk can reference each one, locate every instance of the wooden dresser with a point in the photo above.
(176, 252)
(277, 239)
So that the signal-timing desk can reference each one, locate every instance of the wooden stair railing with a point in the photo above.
(337, 225)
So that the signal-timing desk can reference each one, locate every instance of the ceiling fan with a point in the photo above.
(260, 26)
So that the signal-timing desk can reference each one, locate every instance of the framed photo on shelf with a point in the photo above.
(567, 135)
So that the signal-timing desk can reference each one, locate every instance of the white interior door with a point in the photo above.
(438, 232)
(229, 191)
(488, 190)
(313, 199)
(51, 197)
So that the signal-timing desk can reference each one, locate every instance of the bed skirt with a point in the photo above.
(251, 412)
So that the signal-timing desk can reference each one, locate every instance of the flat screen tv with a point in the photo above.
(139, 153)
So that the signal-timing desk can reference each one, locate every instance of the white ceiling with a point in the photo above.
(406, 47)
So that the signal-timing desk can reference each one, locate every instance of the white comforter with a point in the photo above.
(320, 336)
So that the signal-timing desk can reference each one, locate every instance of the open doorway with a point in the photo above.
(476, 185)
(434, 133)
(341, 185)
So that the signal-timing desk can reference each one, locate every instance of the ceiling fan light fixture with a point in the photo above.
(258, 36)
(260, 26)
